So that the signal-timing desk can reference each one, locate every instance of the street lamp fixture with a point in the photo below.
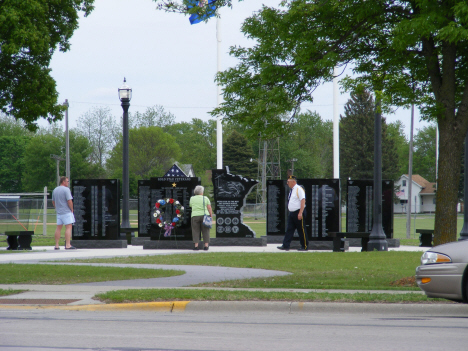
(125, 95)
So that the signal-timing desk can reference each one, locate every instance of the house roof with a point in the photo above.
(427, 186)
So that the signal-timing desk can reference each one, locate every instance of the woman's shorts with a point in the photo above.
(65, 219)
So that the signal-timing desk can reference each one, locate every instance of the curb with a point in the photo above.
(169, 306)
(252, 307)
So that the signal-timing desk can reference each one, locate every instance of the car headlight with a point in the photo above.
(434, 257)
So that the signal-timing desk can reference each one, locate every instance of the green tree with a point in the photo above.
(197, 142)
(155, 116)
(99, 127)
(424, 159)
(12, 150)
(310, 142)
(30, 32)
(357, 141)
(237, 153)
(40, 169)
(9, 126)
(396, 133)
(406, 52)
(151, 152)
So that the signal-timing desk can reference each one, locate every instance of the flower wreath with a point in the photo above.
(159, 209)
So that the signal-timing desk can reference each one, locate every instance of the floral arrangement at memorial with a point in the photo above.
(159, 210)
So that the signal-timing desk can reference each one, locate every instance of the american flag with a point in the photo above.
(401, 192)
(175, 171)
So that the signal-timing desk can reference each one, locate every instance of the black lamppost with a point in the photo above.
(125, 95)
(464, 231)
(377, 238)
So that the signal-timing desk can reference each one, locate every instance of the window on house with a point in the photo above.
(403, 182)
(403, 202)
(433, 201)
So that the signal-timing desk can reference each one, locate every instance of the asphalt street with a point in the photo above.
(245, 326)
(86, 324)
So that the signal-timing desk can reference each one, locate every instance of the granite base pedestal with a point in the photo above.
(99, 244)
(313, 244)
(185, 244)
(356, 242)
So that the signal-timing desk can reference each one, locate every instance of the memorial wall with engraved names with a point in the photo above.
(322, 207)
(150, 191)
(230, 192)
(96, 204)
(277, 207)
(359, 206)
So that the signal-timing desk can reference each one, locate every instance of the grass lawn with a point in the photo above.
(11, 273)
(310, 270)
(150, 295)
(6, 292)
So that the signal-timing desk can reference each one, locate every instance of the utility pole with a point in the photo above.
(58, 159)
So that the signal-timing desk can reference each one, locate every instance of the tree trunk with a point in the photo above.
(451, 138)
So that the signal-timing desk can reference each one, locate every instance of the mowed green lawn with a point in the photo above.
(310, 270)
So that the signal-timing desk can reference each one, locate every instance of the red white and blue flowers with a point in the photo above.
(159, 210)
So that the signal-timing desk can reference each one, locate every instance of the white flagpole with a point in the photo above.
(336, 130)
(219, 125)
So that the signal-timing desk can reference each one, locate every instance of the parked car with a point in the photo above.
(443, 271)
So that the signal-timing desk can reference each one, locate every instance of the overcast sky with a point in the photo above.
(166, 61)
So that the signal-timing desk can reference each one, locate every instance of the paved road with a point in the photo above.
(241, 326)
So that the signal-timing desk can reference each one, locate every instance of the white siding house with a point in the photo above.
(422, 193)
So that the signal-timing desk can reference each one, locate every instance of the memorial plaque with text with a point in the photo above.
(277, 207)
(359, 206)
(96, 205)
(322, 206)
(144, 208)
(177, 188)
(230, 192)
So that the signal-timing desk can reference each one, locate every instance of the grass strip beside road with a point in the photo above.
(156, 295)
(11, 273)
(6, 292)
(310, 270)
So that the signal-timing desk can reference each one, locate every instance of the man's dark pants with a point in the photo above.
(293, 224)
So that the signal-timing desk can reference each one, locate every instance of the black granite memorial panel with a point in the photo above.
(230, 192)
(277, 207)
(322, 206)
(96, 205)
(144, 208)
(359, 206)
(177, 188)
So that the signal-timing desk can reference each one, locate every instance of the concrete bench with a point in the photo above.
(19, 240)
(338, 240)
(425, 237)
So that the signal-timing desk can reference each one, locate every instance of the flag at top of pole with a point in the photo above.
(205, 11)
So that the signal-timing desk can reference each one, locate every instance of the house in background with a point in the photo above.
(422, 192)
(180, 170)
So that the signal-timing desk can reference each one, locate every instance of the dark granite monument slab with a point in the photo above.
(144, 208)
(277, 207)
(359, 206)
(99, 244)
(177, 188)
(96, 204)
(322, 207)
(230, 192)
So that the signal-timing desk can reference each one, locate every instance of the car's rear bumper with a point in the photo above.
(446, 280)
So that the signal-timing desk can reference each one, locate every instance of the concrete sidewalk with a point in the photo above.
(82, 294)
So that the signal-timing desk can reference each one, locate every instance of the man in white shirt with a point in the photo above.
(296, 207)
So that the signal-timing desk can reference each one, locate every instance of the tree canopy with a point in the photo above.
(357, 141)
(405, 52)
(30, 32)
